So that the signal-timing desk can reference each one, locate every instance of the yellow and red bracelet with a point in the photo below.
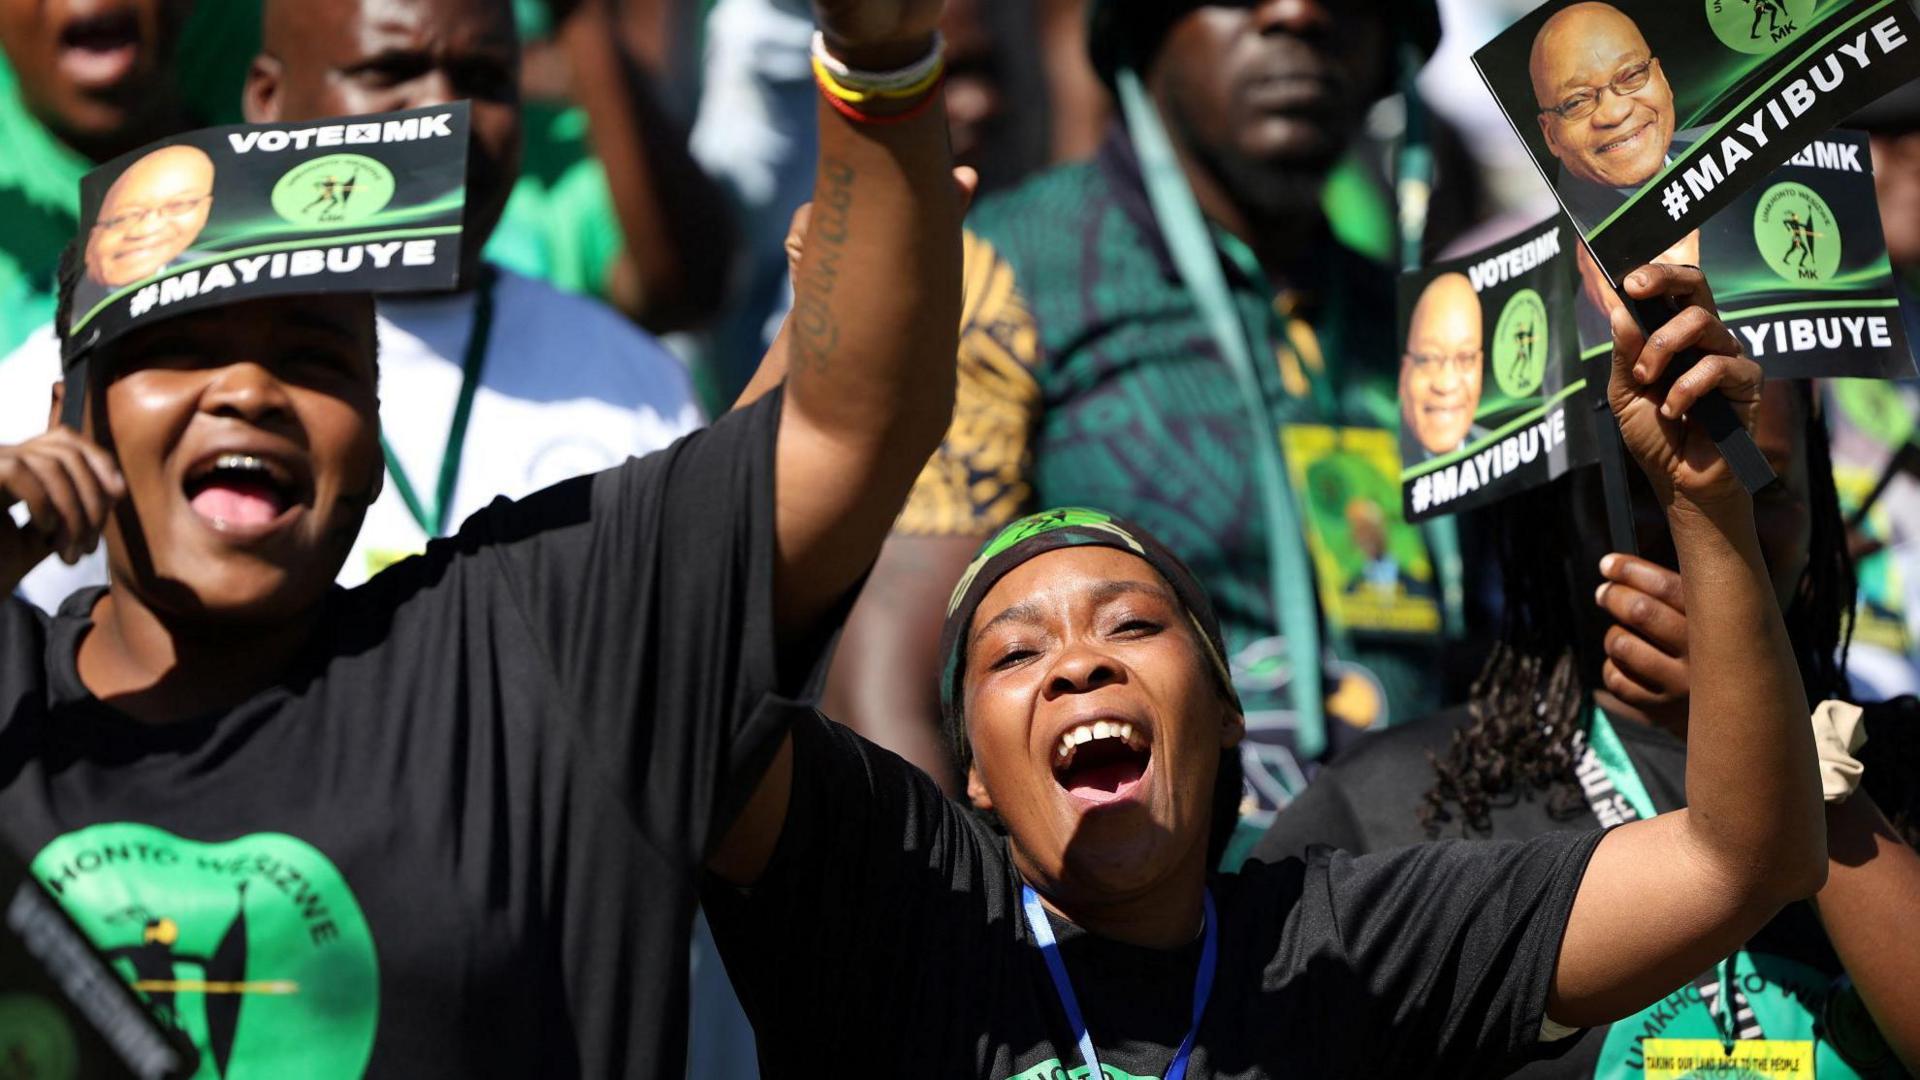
(847, 89)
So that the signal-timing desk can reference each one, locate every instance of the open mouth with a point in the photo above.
(99, 50)
(245, 491)
(1102, 760)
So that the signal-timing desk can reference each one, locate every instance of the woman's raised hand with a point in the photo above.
(68, 486)
(1676, 452)
(877, 34)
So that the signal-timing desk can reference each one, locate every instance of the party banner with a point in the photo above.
(1798, 266)
(1372, 568)
(1649, 117)
(364, 204)
(1490, 375)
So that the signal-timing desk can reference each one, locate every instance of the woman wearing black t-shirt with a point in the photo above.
(447, 824)
(1581, 718)
(872, 926)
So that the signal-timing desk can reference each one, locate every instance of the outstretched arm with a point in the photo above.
(671, 272)
(869, 386)
(1872, 874)
(868, 357)
(1663, 900)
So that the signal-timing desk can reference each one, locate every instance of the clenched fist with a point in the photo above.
(877, 35)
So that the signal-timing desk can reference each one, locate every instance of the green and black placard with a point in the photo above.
(1489, 373)
(358, 204)
(1649, 117)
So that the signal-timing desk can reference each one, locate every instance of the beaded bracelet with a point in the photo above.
(856, 87)
(847, 89)
(861, 116)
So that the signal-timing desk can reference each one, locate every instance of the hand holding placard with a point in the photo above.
(1657, 403)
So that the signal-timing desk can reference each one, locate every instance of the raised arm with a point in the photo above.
(671, 273)
(1665, 899)
(876, 308)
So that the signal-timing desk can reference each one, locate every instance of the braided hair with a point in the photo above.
(1528, 707)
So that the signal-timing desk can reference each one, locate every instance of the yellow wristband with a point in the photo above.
(832, 85)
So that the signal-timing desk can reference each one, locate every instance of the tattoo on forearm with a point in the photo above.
(816, 331)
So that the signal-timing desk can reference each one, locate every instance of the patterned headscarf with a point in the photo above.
(1049, 530)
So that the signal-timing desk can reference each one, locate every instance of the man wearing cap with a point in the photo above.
(1092, 373)
(448, 823)
(500, 387)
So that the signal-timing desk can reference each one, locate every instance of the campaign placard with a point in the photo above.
(362, 204)
(1799, 270)
(1490, 376)
(1372, 568)
(1649, 117)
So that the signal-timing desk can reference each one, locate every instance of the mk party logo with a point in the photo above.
(1757, 26)
(254, 948)
(333, 191)
(1796, 233)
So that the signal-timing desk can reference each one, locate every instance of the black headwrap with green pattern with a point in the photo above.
(1050, 530)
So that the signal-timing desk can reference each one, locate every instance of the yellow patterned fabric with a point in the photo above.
(979, 479)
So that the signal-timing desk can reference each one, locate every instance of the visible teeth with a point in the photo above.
(239, 461)
(1099, 729)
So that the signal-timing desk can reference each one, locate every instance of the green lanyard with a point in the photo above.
(1605, 746)
(433, 520)
(1198, 260)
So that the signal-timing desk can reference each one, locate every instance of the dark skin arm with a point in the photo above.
(1665, 898)
(885, 678)
(869, 374)
(1872, 875)
(1867, 909)
(672, 272)
(1080, 108)
(885, 673)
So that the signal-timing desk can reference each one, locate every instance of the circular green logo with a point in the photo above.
(1520, 345)
(1796, 234)
(334, 191)
(255, 948)
(1757, 26)
(35, 1039)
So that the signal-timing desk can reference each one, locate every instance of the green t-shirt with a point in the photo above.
(559, 224)
(39, 203)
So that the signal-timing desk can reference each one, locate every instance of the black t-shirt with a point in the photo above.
(1367, 802)
(887, 939)
(460, 837)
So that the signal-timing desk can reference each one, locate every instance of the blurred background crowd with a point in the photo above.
(637, 164)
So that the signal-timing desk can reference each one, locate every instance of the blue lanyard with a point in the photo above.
(1063, 986)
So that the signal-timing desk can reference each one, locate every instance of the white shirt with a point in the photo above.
(567, 387)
